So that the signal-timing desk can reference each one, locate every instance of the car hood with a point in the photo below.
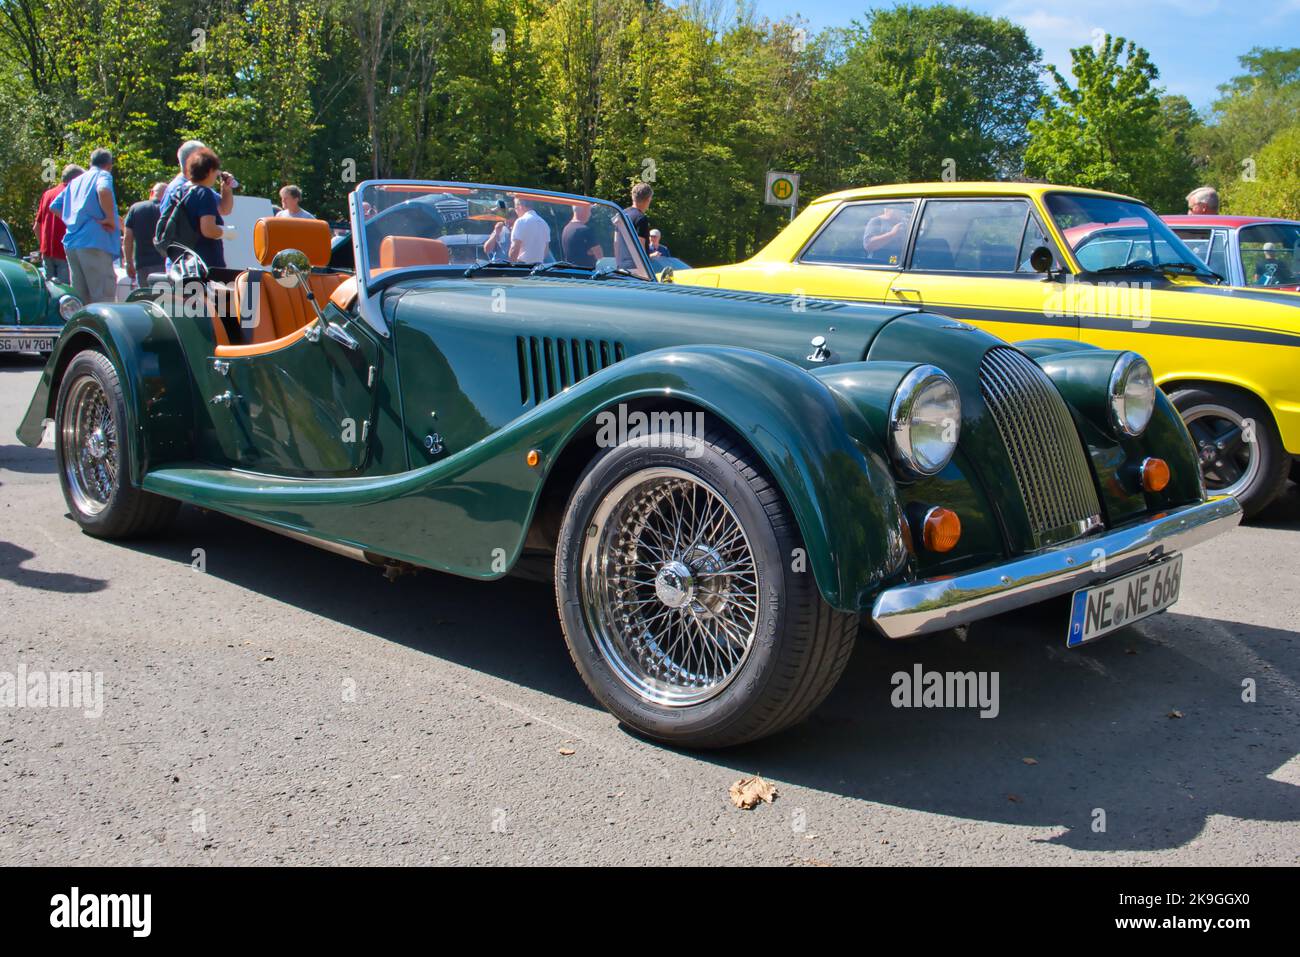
(640, 316)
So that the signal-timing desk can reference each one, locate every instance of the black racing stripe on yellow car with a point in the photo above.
(1157, 327)
(1236, 292)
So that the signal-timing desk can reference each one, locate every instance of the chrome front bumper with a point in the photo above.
(939, 603)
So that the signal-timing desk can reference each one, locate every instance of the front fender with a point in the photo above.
(818, 447)
(142, 344)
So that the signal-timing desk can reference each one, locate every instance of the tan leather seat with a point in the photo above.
(274, 313)
(396, 252)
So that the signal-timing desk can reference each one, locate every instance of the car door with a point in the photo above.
(970, 260)
(857, 252)
(1210, 245)
(303, 409)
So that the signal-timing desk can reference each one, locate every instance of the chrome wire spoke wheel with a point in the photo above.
(89, 437)
(1230, 461)
(670, 587)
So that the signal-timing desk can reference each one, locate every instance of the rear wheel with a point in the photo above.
(679, 603)
(1240, 451)
(90, 436)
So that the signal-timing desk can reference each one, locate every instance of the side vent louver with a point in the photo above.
(550, 365)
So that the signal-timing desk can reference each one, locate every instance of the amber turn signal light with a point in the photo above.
(533, 458)
(941, 530)
(1155, 474)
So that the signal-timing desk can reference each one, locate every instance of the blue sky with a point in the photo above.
(1194, 43)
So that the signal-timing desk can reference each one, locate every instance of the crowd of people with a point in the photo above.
(81, 236)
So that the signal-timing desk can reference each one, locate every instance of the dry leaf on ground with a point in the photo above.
(747, 792)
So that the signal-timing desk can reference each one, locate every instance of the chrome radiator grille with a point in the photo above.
(1049, 462)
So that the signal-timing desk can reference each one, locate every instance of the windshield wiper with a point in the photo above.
(541, 268)
(614, 271)
(1192, 269)
(496, 264)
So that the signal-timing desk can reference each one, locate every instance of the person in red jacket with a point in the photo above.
(49, 229)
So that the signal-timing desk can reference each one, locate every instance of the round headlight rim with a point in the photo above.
(1117, 387)
(900, 406)
(63, 300)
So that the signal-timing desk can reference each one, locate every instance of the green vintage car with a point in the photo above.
(724, 486)
(32, 308)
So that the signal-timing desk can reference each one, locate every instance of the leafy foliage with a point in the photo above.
(699, 97)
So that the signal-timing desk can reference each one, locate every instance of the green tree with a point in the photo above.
(1252, 109)
(1274, 187)
(1108, 131)
(248, 89)
(920, 93)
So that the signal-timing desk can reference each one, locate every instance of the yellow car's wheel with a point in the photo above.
(1238, 445)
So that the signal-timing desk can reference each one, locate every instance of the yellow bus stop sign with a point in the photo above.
(782, 189)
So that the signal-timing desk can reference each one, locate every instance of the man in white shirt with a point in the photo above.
(291, 204)
(530, 237)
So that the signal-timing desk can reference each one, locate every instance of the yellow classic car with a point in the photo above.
(1030, 261)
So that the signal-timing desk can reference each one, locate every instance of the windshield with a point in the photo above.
(438, 224)
(7, 245)
(1109, 234)
(1270, 253)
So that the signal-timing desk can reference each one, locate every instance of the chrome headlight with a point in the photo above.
(69, 306)
(1132, 393)
(924, 421)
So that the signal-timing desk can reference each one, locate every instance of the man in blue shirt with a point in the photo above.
(89, 211)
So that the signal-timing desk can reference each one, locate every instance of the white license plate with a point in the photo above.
(1101, 609)
(27, 344)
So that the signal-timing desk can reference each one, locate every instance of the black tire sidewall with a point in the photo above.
(1274, 464)
(733, 704)
(98, 366)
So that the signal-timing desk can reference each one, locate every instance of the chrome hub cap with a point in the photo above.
(670, 588)
(1230, 460)
(88, 437)
(675, 585)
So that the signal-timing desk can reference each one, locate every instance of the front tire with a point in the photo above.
(91, 446)
(1222, 422)
(677, 590)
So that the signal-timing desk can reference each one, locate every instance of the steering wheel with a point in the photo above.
(186, 264)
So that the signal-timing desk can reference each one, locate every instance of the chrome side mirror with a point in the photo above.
(290, 262)
(293, 264)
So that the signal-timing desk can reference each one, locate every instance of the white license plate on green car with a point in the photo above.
(27, 344)
(1101, 609)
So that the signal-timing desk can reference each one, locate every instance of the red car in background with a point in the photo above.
(1245, 250)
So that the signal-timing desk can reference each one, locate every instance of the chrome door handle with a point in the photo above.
(342, 336)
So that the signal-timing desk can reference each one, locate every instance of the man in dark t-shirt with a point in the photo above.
(578, 239)
(139, 255)
(636, 215)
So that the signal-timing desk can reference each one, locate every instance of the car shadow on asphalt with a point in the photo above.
(21, 361)
(27, 460)
(1145, 732)
(1283, 512)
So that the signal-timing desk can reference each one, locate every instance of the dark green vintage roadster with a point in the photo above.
(724, 485)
